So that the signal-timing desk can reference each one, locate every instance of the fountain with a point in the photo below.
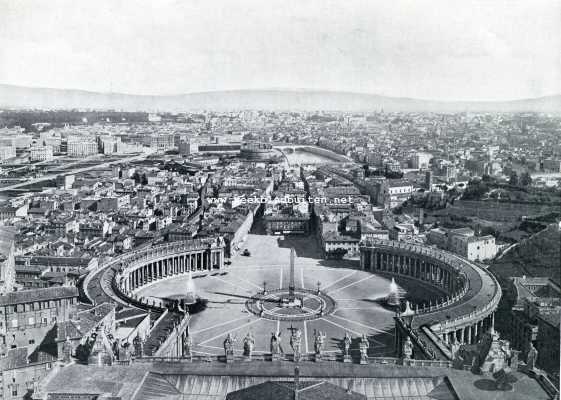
(393, 299)
(191, 295)
(187, 300)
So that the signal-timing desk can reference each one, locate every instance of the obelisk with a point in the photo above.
(291, 283)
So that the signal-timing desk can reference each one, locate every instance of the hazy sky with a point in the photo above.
(437, 49)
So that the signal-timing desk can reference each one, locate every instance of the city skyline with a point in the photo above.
(291, 199)
(474, 51)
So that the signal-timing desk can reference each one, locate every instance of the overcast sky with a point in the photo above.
(437, 49)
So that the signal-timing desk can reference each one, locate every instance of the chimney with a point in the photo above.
(296, 382)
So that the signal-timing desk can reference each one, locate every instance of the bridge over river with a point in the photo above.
(305, 154)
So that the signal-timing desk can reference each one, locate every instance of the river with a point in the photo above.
(305, 157)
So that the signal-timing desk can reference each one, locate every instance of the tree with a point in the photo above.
(525, 179)
(144, 180)
(136, 177)
(513, 180)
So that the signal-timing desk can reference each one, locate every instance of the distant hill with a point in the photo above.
(298, 100)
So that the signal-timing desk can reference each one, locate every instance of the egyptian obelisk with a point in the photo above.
(291, 284)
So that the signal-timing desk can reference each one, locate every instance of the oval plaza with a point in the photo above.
(460, 313)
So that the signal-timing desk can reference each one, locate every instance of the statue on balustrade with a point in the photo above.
(347, 347)
(319, 342)
(364, 345)
(296, 343)
(531, 358)
(407, 351)
(124, 352)
(116, 347)
(276, 346)
(229, 345)
(187, 346)
(248, 345)
(138, 346)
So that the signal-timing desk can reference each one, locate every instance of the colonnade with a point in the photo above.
(471, 295)
(159, 262)
(429, 270)
(469, 334)
(201, 260)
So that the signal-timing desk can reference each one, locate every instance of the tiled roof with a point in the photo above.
(284, 390)
(16, 358)
(28, 296)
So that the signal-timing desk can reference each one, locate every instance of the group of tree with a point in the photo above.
(475, 189)
(140, 179)
(524, 180)
(387, 173)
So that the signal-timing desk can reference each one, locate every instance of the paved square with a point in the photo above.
(357, 295)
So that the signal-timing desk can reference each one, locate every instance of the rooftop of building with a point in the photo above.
(529, 287)
(552, 318)
(29, 296)
(204, 381)
(7, 236)
(287, 390)
(462, 231)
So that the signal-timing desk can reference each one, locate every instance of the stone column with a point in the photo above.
(476, 331)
